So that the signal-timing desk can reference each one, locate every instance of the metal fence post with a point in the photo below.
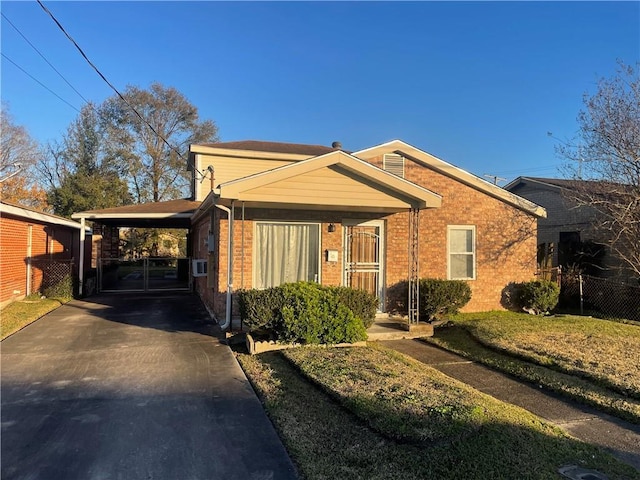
(581, 296)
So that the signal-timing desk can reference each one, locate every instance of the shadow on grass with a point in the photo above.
(326, 440)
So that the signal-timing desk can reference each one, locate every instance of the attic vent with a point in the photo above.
(393, 163)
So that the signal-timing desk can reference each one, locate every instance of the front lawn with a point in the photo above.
(590, 359)
(371, 413)
(19, 314)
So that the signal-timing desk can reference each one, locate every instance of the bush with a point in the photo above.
(260, 309)
(307, 312)
(437, 298)
(539, 296)
(62, 289)
(363, 304)
(442, 297)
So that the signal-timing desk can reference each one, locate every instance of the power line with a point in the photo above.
(164, 140)
(39, 82)
(44, 58)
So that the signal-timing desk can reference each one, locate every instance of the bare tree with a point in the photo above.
(19, 153)
(150, 131)
(605, 162)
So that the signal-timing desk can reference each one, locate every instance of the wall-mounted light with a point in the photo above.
(332, 227)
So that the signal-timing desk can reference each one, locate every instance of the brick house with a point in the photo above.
(566, 236)
(279, 212)
(34, 247)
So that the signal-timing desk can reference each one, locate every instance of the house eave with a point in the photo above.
(38, 216)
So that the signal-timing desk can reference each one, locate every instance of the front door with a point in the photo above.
(363, 257)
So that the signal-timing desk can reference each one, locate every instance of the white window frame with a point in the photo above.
(254, 255)
(471, 228)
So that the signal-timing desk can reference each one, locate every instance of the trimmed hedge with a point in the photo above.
(437, 298)
(362, 304)
(307, 312)
(539, 296)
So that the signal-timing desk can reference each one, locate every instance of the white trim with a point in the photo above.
(98, 216)
(447, 169)
(473, 252)
(38, 216)
(281, 222)
(414, 193)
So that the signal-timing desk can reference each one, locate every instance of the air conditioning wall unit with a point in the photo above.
(199, 268)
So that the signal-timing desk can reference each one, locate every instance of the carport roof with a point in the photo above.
(168, 214)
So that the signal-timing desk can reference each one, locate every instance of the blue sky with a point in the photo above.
(477, 84)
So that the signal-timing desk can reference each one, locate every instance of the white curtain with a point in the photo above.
(286, 253)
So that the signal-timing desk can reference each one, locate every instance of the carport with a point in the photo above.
(115, 273)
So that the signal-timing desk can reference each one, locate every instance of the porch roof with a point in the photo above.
(333, 181)
(167, 214)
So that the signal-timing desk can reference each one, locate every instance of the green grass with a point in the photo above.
(19, 314)
(592, 360)
(370, 413)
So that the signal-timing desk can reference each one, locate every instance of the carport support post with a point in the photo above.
(81, 261)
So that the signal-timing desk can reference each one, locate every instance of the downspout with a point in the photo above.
(29, 252)
(81, 261)
(230, 214)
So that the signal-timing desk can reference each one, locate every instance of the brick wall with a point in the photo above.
(48, 242)
(505, 241)
(505, 237)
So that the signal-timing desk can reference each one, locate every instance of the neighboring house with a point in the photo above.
(368, 219)
(32, 243)
(566, 236)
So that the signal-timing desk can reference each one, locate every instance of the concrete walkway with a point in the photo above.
(131, 387)
(621, 438)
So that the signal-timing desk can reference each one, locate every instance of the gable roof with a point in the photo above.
(28, 213)
(565, 183)
(451, 171)
(390, 191)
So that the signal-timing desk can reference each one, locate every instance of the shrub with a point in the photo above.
(539, 296)
(306, 312)
(63, 289)
(437, 297)
(363, 304)
(442, 297)
(260, 309)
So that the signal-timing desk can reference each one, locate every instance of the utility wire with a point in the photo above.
(112, 87)
(44, 58)
(39, 82)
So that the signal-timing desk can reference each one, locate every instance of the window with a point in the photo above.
(461, 244)
(286, 252)
(393, 163)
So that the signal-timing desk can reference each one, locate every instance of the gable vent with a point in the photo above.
(393, 163)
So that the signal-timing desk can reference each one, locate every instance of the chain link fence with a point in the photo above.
(599, 296)
(52, 278)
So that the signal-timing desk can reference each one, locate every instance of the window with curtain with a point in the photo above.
(286, 252)
(462, 252)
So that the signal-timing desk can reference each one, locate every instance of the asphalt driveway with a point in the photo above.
(131, 387)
